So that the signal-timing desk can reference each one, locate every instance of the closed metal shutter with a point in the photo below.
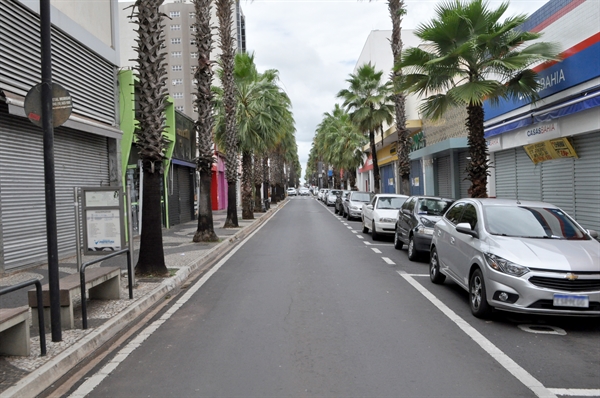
(89, 78)
(388, 183)
(186, 194)
(80, 159)
(464, 183)
(587, 180)
(173, 196)
(506, 174)
(528, 176)
(557, 183)
(443, 177)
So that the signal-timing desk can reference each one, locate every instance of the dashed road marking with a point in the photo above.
(387, 260)
(349, 227)
(577, 392)
(360, 236)
(504, 360)
(354, 232)
(376, 250)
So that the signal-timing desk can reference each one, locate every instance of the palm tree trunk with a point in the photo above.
(266, 180)
(204, 124)
(151, 260)
(247, 205)
(258, 178)
(376, 176)
(478, 166)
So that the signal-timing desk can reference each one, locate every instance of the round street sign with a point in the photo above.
(62, 105)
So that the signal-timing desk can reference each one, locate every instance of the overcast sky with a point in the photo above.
(315, 45)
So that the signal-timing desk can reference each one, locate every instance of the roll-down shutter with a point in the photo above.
(443, 177)
(80, 159)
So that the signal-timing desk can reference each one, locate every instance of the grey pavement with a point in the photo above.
(29, 376)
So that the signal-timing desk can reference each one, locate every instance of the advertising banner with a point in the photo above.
(552, 149)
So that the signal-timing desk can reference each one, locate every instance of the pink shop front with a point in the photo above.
(218, 189)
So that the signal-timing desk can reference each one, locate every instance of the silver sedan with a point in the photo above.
(517, 256)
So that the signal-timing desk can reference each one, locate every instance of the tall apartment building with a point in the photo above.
(180, 46)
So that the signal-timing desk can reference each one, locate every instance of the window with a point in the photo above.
(194, 81)
(176, 54)
(470, 216)
(176, 27)
(455, 212)
(174, 14)
(193, 28)
(176, 40)
(193, 68)
(178, 95)
(193, 42)
(409, 205)
(179, 108)
(176, 68)
(177, 82)
(194, 55)
(192, 15)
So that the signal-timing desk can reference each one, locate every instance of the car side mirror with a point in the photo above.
(465, 228)
(593, 234)
(370, 207)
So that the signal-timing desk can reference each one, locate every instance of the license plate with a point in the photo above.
(568, 300)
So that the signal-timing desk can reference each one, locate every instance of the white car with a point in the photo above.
(332, 196)
(291, 191)
(517, 256)
(379, 216)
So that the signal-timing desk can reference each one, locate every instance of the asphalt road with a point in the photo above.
(311, 306)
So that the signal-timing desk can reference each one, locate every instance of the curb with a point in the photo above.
(43, 377)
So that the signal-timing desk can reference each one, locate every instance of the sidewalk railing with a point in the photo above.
(40, 304)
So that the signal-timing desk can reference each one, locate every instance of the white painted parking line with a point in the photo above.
(345, 223)
(387, 260)
(504, 360)
(360, 236)
(354, 232)
(376, 250)
(349, 227)
(368, 243)
(577, 392)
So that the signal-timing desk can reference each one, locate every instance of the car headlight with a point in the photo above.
(503, 265)
(387, 220)
(427, 222)
(425, 230)
(354, 208)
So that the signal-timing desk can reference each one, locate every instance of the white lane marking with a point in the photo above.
(368, 243)
(96, 379)
(376, 250)
(387, 260)
(504, 360)
(578, 392)
(360, 236)
(349, 227)
(543, 329)
(345, 223)
(354, 232)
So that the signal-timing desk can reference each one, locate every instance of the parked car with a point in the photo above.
(415, 222)
(339, 207)
(322, 194)
(353, 203)
(517, 256)
(291, 191)
(331, 196)
(380, 214)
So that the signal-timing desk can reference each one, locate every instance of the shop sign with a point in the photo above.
(494, 143)
(552, 149)
(541, 132)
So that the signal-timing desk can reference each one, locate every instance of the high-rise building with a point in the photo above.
(180, 46)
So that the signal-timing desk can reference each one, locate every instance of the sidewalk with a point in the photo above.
(29, 376)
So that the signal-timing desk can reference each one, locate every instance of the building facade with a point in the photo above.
(550, 150)
(85, 59)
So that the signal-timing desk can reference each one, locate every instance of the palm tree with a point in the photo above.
(204, 123)
(152, 101)
(226, 41)
(397, 12)
(474, 54)
(369, 102)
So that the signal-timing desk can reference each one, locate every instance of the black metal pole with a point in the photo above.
(49, 176)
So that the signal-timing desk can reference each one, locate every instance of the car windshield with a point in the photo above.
(531, 222)
(334, 192)
(433, 207)
(345, 194)
(361, 197)
(390, 202)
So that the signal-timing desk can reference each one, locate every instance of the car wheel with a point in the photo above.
(477, 297)
(374, 234)
(365, 229)
(397, 242)
(434, 268)
(413, 254)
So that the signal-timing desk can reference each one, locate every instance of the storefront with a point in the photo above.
(549, 151)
